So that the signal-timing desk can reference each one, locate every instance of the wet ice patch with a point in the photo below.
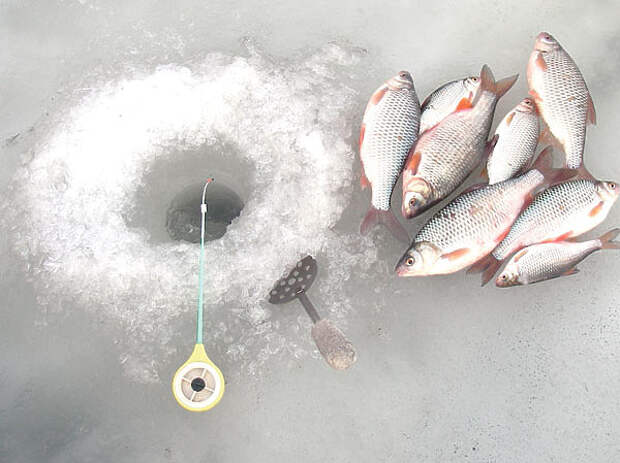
(72, 204)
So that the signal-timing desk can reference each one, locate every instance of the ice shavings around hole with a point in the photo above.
(290, 120)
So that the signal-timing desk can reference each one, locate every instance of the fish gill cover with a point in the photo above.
(69, 204)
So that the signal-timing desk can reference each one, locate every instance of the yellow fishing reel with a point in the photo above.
(198, 385)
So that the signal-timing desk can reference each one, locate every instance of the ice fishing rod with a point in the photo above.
(198, 384)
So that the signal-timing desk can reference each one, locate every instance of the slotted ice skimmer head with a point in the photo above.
(298, 280)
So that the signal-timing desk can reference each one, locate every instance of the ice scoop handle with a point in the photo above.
(301, 295)
(335, 348)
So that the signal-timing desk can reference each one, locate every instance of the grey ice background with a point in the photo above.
(446, 371)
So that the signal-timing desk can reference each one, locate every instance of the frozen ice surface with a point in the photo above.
(111, 108)
(73, 200)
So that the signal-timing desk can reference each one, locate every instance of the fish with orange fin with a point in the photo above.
(561, 95)
(472, 224)
(389, 129)
(445, 155)
(562, 211)
(540, 262)
(444, 101)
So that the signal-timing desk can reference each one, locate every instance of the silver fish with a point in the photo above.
(446, 99)
(469, 227)
(517, 138)
(445, 155)
(562, 211)
(561, 95)
(389, 129)
(544, 261)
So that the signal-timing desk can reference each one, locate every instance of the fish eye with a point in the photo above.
(403, 74)
(612, 185)
(409, 262)
(503, 277)
(412, 202)
(475, 79)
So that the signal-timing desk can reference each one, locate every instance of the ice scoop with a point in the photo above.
(335, 348)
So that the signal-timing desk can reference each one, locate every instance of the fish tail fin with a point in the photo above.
(607, 239)
(583, 172)
(487, 266)
(544, 165)
(488, 83)
(375, 216)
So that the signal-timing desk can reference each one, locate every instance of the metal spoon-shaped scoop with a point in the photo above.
(335, 348)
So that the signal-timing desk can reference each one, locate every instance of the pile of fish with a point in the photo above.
(527, 211)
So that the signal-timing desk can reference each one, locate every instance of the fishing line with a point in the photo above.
(198, 384)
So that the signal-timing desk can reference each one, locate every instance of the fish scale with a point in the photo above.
(468, 228)
(549, 260)
(540, 262)
(475, 216)
(562, 96)
(516, 145)
(445, 166)
(554, 212)
(445, 99)
(446, 155)
(388, 137)
(571, 98)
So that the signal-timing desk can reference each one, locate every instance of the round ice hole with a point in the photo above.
(198, 384)
(183, 216)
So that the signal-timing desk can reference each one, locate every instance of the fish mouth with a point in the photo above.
(407, 213)
(403, 271)
(507, 281)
